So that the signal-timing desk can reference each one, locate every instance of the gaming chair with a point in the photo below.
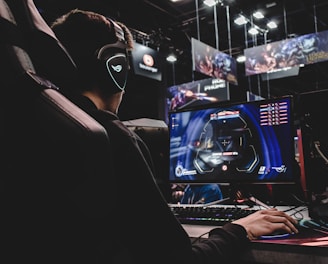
(50, 59)
(55, 174)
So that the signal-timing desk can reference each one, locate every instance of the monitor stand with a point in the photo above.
(239, 195)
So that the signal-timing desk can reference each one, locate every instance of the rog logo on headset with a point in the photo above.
(117, 68)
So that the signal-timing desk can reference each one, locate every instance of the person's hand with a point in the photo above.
(265, 222)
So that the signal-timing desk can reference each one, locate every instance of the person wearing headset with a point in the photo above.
(142, 230)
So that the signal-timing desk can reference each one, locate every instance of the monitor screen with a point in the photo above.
(195, 94)
(248, 142)
(201, 92)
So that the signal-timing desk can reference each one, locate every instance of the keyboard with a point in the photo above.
(214, 215)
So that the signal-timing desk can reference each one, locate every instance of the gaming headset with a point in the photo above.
(113, 62)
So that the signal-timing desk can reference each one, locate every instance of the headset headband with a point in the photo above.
(119, 32)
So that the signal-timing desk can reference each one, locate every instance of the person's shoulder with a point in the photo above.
(111, 121)
(115, 126)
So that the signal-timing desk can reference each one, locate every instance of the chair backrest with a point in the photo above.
(55, 174)
(44, 49)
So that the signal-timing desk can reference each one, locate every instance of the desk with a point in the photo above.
(298, 248)
(308, 247)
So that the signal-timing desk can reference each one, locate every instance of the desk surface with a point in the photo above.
(309, 246)
(306, 247)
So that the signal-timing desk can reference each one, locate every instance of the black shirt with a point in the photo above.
(143, 227)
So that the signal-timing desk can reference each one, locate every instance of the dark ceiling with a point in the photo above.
(169, 26)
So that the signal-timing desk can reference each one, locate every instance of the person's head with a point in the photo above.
(99, 46)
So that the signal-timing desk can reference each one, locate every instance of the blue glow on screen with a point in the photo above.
(235, 142)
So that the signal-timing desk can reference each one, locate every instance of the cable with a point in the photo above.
(298, 215)
(258, 202)
(299, 200)
(317, 147)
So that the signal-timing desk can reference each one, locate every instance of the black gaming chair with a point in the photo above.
(49, 57)
(55, 170)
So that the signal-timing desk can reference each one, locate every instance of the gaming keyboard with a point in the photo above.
(213, 215)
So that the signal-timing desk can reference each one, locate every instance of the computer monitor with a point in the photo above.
(233, 143)
(311, 108)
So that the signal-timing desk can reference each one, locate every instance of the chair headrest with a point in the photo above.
(49, 56)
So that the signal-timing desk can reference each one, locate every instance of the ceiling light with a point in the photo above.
(258, 15)
(171, 58)
(241, 20)
(253, 31)
(241, 58)
(210, 2)
(272, 25)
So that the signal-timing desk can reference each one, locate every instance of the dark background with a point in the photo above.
(169, 26)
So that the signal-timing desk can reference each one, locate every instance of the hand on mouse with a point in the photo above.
(265, 222)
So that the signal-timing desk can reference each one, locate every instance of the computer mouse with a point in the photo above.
(279, 234)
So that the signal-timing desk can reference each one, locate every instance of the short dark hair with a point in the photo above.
(84, 32)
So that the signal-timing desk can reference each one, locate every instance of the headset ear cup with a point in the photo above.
(117, 68)
(114, 67)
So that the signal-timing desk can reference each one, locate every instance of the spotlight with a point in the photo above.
(171, 58)
(272, 24)
(241, 20)
(210, 2)
(253, 31)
